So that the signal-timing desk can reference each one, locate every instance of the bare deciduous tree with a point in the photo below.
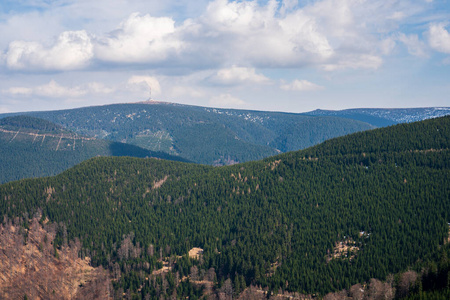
(405, 283)
(194, 273)
(380, 291)
(227, 288)
(211, 275)
(150, 250)
(357, 292)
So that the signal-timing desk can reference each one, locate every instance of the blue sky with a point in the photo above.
(286, 55)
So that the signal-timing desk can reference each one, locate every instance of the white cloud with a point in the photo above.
(288, 5)
(387, 45)
(140, 39)
(337, 17)
(301, 85)
(238, 75)
(225, 100)
(55, 90)
(247, 33)
(72, 50)
(147, 84)
(227, 16)
(361, 32)
(439, 38)
(415, 46)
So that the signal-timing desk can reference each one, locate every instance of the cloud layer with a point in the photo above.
(329, 34)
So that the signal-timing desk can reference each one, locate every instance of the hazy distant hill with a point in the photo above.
(313, 221)
(380, 117)
(32, 147)
(201, 134)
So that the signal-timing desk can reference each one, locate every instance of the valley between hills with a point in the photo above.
(362, 216)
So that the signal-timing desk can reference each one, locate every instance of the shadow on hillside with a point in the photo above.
(122, 149)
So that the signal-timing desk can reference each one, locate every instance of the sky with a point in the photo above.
(285, 55)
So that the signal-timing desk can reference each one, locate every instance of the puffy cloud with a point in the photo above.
(245, 32)
(301, 85)
(415, 46)
(225, 100)
(145, 84)
(140, 39)
(439, 38)
(55, 90)
(238, 75)
(337, 17)
(72, 50)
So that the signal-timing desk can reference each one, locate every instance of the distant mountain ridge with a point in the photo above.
(381, 117)
(32, 147)
(201, 134)
(218, 136)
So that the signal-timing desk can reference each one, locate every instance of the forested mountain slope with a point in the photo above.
(200, 134)
(32, 147)
(312, 221)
